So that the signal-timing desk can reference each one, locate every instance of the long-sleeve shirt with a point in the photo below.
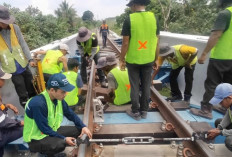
(37, 110)
(5, 33)
(226, 121)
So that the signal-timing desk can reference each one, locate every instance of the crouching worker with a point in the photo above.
(72, 98)
(223, 96)
(43, 116)
(118, 81)
(10, 129)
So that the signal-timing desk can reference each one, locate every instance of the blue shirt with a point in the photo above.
(37, 110)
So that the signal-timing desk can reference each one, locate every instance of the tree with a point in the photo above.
(66, 13)
(87, 16)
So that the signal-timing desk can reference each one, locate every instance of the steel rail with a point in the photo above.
(182, 129)
(114, 46)
(87, 117)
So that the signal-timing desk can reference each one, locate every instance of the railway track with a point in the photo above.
(136, 133)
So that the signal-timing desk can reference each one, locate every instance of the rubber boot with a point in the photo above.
(205, 111)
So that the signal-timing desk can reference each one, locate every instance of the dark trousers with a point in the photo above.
(53, 145)
(85, 64)
(188, 74)
(46, 77)
(140, 79)
(219, 71)
(228, 141)
(9, 135)
(104, 39)
(23, 86)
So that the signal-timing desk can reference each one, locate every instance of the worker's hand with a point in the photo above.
(86, 131)
(32, 63)
(155, 67)
(188, 65)
(22, 123)
(70, 141)
(35, 55)
(122, 65)
(13, 108)
(213, 133)
(202, 59)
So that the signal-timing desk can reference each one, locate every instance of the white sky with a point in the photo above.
(100, 8)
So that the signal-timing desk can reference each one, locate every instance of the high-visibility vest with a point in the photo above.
(179, 58)
(50, 63)
(104, 27)
(88, 46)
(72, 97)
(55, 118)
(122, 93)
(143, 41)
(7, 58)
(223, 49)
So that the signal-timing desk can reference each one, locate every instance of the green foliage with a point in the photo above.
(186, 16)
(87, 16)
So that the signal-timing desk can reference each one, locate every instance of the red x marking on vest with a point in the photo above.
(128, 87)
(142, 45)
(46, 60)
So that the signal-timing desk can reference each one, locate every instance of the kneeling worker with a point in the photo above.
(54, 61)
(72, 98)
(118, 81)
(223, 96)
(10, 129)
(43, 117)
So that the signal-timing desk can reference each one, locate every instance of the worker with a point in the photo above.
(88, 46)
(223, 96)
(72, 98)
(15, 56)
(54, 61)
(220, 63)
(118, 81)
(10, 129)
(141, 47)
(179, 56)
(104, 30)
(43, 116)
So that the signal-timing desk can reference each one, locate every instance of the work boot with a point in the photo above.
(205, 111)
(187, 98)
(135, 116)
(143, 114)
(175, 98)
(220, 109)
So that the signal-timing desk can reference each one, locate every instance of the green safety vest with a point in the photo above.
(50, 63)
(55, 118)
(88, 46)
(72, 97)
(223, 49)
(180, 60)
(122, 93)
(7, 58)
(230, 115)
(143, 41)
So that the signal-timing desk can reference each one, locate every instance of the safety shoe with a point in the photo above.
(135, 116)
(143, 114)
(199, 112)
(220, 109)
(175, 98)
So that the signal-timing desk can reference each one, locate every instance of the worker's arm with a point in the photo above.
(124, 49)
(213, 39)
(156, 69)
(79, 83)
(63, 59)
(157, 48)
